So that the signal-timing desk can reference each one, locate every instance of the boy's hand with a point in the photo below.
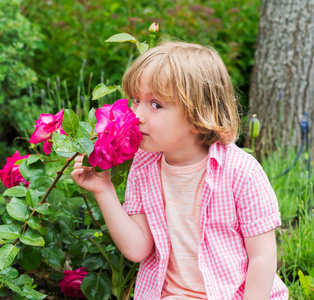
(89, 179)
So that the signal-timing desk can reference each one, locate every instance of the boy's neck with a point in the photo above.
(187, 156)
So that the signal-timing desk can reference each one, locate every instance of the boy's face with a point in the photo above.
(163, 124)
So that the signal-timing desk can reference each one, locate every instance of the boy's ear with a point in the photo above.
(194, 130)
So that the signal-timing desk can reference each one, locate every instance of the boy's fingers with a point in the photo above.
(77, 173)
(78, 166)
(79, 159)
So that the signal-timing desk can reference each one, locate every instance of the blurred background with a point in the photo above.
(52, 52)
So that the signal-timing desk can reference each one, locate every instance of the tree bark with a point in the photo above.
(282, 81)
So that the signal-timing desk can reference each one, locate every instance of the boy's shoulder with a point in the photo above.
(240, 161)
(143, 159)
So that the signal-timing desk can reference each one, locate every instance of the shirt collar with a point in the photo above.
(216, 151)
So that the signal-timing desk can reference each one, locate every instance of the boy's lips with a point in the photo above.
(144, 134)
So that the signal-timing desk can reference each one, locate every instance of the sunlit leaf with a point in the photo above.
(33, 239)
(10, 231)
(32, 159)
(8, 253)
(84, 145)
(44, 209)
(142, 47)
(16, 191)
(32, 198)
(24, 279)
(121, 37)
(85, 130)
(33, 294)
(70, 122)
(18, 211)
(102, 90)
(10, 272)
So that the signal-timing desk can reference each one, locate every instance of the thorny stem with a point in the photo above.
(59, 174)
(98, 224)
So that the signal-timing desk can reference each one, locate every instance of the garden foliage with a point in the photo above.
(46, 220)
(51, 55)
(19, 38)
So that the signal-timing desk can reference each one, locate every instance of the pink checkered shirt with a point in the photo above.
(237, 201)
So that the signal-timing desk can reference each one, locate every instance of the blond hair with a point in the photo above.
(194, 77)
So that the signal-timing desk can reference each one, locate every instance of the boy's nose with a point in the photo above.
(139, 112)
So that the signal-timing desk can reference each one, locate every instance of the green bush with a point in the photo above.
(19, 39)
(76, 30)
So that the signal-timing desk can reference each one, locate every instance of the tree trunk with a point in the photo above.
(282, 81)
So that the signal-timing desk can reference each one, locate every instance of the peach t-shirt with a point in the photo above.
(182, 186)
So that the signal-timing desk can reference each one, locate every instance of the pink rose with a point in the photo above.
(71, 283)
(10, 174)
(118, 135)
(45, 126)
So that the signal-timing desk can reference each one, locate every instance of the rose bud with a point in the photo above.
(254, 127)
(154, 28)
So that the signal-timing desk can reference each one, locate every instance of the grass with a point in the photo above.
(295, 238)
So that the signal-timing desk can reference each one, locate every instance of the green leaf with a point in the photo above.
(85, 233)
(32, 171)
(121, 37)
(44, 209)
(120, 90)
(54, 255)
(11, 231)
(84, 145)
(114, 268)
(96, 286)
(93, 262)
(24, 279)
(55, 197)
(67, 149)
(85, 162)
(18, 211)
(16, 191)
(58, 140)
(15, 288)
(30, 293)
(8, 253)
(35, 223)
(32, 198)
(102, 90)
(10, 272)
(248, 150)
(76, 248)
(31, 258)
(32, 159)
(42, 182)
(142, 47)
(33, 239)
(66, 224)
(70, 122)
(85, 130)
(91, 117)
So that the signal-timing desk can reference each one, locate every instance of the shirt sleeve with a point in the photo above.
(132, 201)
(258, 210)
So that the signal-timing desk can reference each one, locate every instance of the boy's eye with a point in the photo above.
(134, 101)
(156, 105)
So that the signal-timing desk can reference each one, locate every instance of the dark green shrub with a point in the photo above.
(76, 30)
(19, 39)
